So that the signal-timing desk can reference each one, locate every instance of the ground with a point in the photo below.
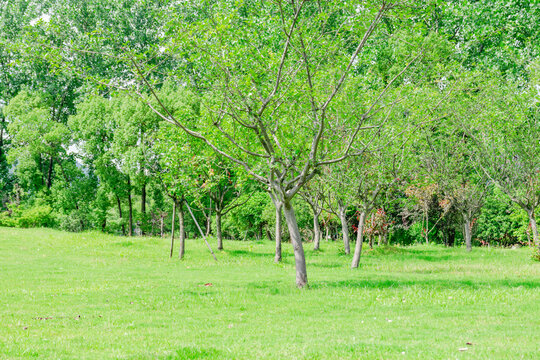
(94, 296)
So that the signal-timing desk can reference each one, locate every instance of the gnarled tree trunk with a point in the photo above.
(296, 240)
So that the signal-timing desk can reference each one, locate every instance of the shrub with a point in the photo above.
(34, 216)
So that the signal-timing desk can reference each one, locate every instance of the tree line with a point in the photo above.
(296, 120)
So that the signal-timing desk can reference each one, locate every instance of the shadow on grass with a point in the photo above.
(425, 254)
(126, 243)
(327, 265)
(195, 353)
(436, 258)
(245, 253)
(439, 284)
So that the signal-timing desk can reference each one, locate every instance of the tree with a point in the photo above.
(256, 110)
(448, 163)
(37, 137)
(506, 133)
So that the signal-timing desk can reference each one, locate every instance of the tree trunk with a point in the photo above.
(208, 223)
(172, 227)
(344, 227)
(534, 228)
(181, 229)
(426, 230)
(218, 231)
(316, 232)
(451, 237)
(277, 257)
(467, 232)
(130, 208)
(143, 209)
(120, 214)
(359, 240)
(296, 240)
(49, 176)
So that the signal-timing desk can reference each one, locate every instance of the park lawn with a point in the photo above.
(95, 296)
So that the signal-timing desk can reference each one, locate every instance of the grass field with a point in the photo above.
(93, 296)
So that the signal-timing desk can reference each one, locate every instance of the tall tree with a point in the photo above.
(507, 128)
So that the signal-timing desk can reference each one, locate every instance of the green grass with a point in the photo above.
(93, 296)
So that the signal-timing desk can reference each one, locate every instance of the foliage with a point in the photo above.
(28, 216)
(110, 112)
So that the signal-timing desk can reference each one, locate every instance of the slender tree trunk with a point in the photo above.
(49, 176)
(426, 231)
(218, 230)
(359, 240)
(172, 227)
(371, 241)
(130, 208)
(181, 229)
(278, 206)
(120, 214)
(296, 240)
(534, 228)
(2, 136)
(316, 232)
(327, 235)
(467, 232)
(143, 209)
(208, 223)
(344, 227)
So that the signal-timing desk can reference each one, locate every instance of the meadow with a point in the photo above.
(96, 296)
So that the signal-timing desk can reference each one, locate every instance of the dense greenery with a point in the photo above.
(96, 296)
(372, 121)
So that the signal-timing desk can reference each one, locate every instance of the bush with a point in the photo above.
(535, 253)
(73, 222)
(35, 216)
(500, 222)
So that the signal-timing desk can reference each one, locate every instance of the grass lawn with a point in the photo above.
(94, 296)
